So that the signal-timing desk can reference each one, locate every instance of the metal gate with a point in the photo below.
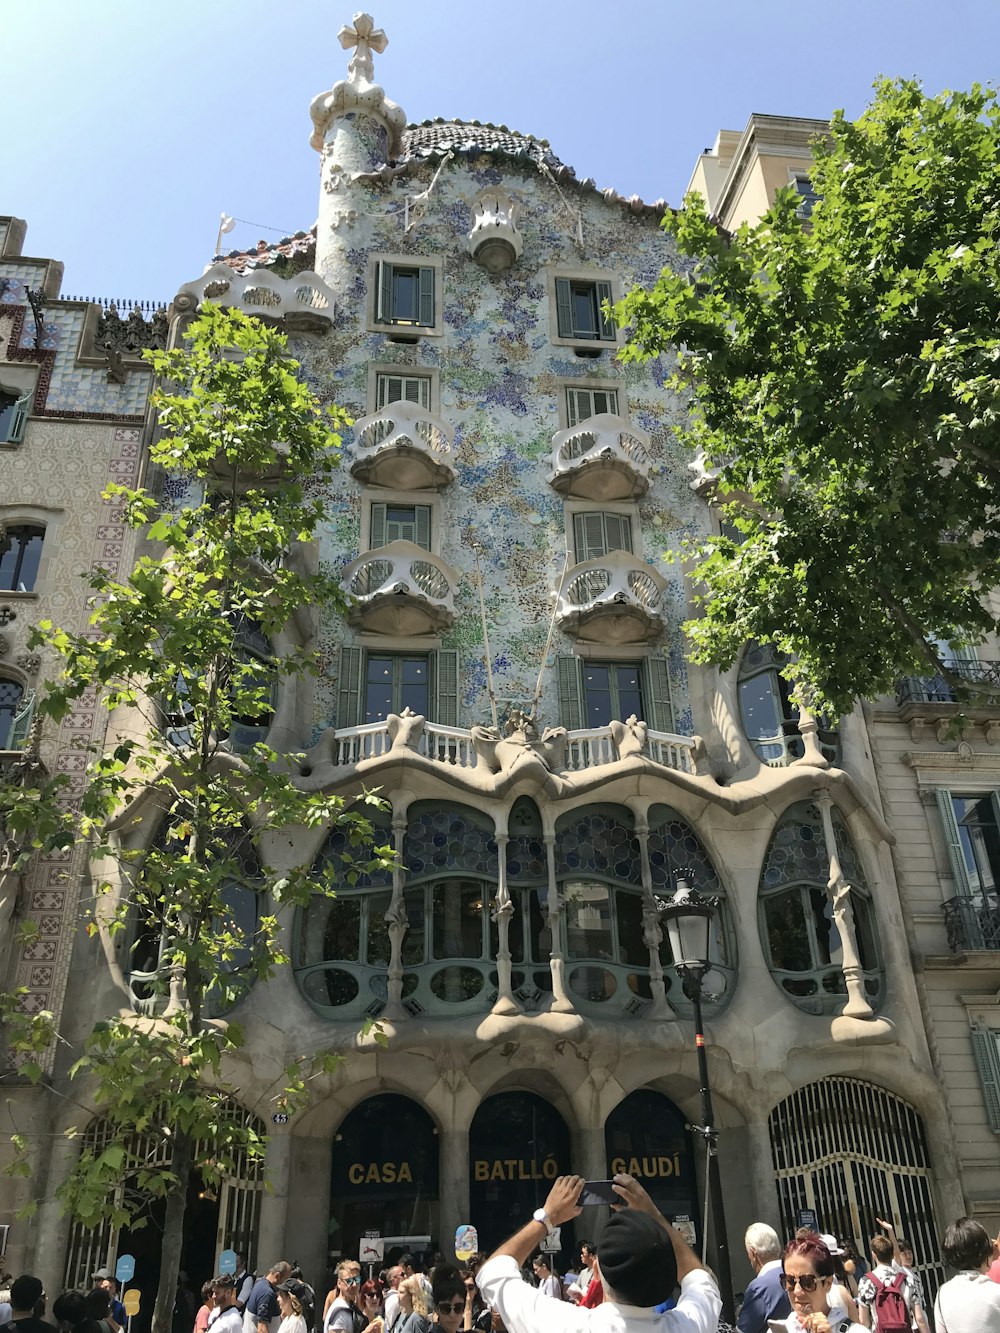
(91, 1248)
(853, 1152)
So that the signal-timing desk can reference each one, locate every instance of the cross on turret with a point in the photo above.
(367, 38)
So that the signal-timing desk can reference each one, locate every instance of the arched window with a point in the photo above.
(20, 555)
(16, 713)
(599, 871)
(152, 932)
(254, 697)
(770, 719)
(801, 940)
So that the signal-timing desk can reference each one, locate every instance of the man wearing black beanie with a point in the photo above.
(641, 1257)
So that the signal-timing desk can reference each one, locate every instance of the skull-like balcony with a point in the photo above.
(603, 457)
(615, 599)
(403, 447)
(401, 589)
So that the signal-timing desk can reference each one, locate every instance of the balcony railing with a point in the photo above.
(303, 299)
(603, 457)
(936, 690)
(616, 598)
(402, 446)
(973, 921)
(590, 748)
(401, 589)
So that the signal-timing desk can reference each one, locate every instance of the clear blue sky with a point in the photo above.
(131, 124)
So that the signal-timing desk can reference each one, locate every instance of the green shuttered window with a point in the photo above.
(374, 684)
(592, 694)
(596, 533)
(408, 523)
(986, 1049)
(579, 310)
(406, 295)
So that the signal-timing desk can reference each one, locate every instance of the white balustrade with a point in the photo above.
(602, 443)
(400, 586)
(447, 745)
(672, 751)
(357, 743)
(589, 749)
(261, 293)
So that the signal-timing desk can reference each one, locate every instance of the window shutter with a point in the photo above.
(609, 333)
(423, 526)
(445, 662)
(574, 400)
(589, 536)
(383, 313)
(21, 724)
(349, 688)
(619, 528)
(20, 418)
(570, 692)
(564, 308)
(427, 297)
(376, 536)
(413, 392)
(955, 854)
(984, 1048)
(660, 713)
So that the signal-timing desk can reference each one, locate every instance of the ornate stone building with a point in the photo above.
(512, 678)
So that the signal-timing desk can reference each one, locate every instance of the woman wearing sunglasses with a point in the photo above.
(807, 1276)
(450, 1299)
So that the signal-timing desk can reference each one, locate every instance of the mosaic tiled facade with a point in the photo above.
(528, 957)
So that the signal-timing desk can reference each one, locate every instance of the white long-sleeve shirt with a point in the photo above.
(525, 1309)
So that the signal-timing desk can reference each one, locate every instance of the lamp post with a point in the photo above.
(688, 917)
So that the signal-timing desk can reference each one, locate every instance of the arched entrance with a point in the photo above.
(384, 1177)
(645, 1135)
(852, 1151)
(216, 1219)
(518, 1144)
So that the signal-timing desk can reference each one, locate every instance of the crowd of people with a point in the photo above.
(642, 1278)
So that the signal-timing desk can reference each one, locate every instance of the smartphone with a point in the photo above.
(598, 1192)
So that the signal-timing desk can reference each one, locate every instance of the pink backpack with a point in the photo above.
(891, 1314)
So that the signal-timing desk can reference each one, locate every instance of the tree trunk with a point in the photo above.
(173, 1235)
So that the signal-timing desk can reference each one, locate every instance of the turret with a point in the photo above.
(357, 131)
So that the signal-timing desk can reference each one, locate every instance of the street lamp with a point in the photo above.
(688, 918)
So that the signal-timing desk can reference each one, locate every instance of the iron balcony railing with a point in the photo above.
(973, 921)
(936, 690)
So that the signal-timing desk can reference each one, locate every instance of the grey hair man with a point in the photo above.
(764, 1297)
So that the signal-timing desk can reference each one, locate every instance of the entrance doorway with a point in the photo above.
(518, 1144)
(851, 1152)
(645, 1136)
(384, 1176)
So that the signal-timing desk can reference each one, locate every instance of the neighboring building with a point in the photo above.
(939, 789)
(451, 297)
(73, 411)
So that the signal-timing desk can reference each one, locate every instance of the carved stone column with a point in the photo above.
(652, 934)
(396, 922)
(561, 1002)
(839, 893)
(812, 750)
(502, 914)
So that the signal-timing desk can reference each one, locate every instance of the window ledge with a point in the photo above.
(6, 593)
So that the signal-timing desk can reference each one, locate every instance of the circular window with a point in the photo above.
(456, 984)
(596, 984)
(331, 986)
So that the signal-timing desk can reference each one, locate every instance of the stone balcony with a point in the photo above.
(303, 301)
(402, 447)
(934, 707)
(401, 589)
(615, 599)
(567, 753)
(603, 457)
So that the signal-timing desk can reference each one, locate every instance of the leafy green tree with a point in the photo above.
(167, 651)
(844, 381)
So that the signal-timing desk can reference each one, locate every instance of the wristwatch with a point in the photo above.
(540, 1215)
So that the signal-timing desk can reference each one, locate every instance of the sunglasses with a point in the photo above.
(446, 1307)
(807, 1281)
(351, 1281)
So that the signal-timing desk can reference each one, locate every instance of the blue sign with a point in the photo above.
(807, 1218)
(227, 1261)
(125, 1268)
